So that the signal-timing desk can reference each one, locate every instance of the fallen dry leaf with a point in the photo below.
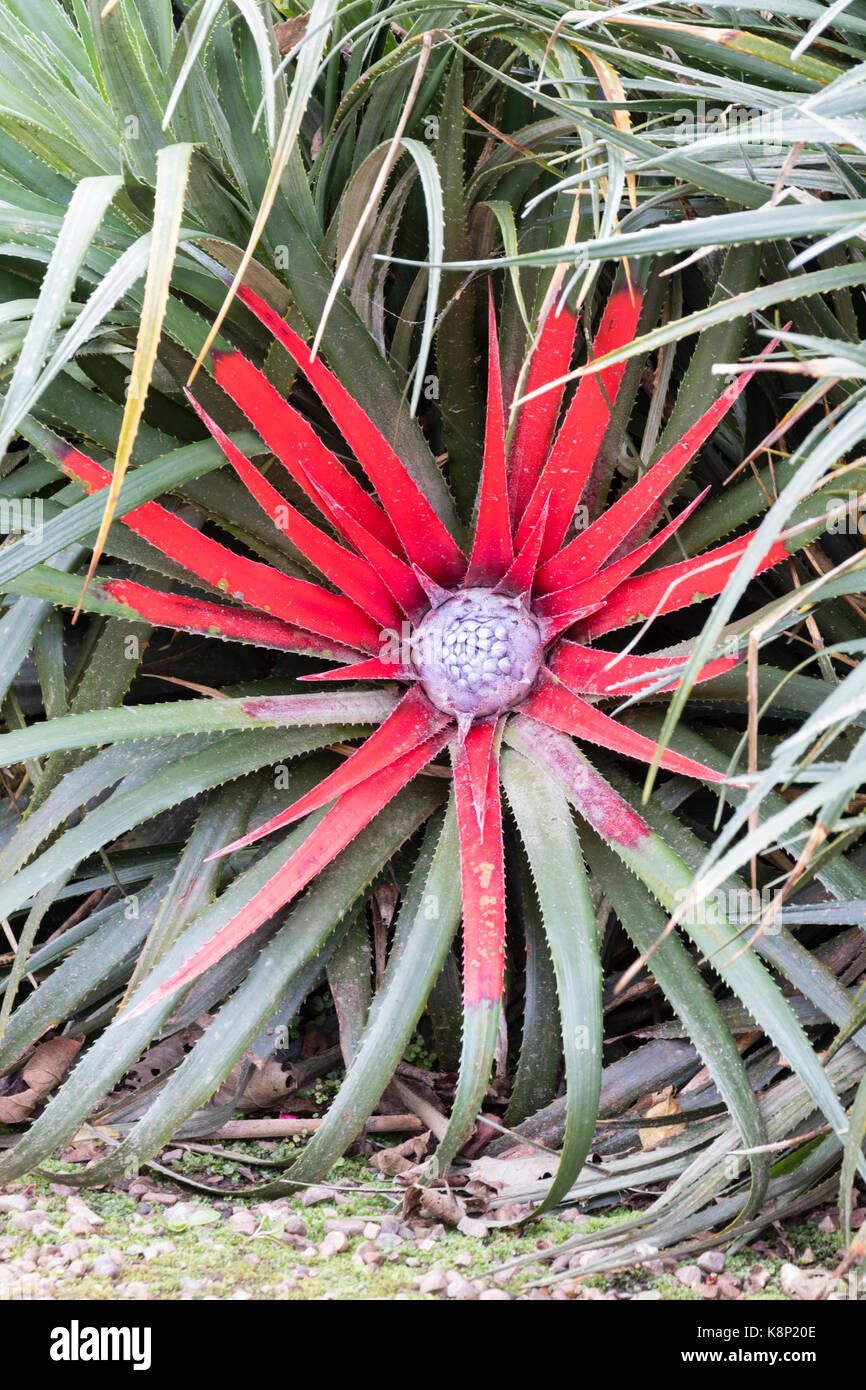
(288, 32)
(433, 1204)
(401, 1157)
(796, 1283)
(518, 1167)
(663, 1104)
(42, 1073)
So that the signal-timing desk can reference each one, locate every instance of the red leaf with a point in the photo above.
(423, 535)
(476, 782)
(398, 577)
(553, 704)
(520, 577)
(675, 586)
(354, 576)
(261, 586)
(574, 452)
(336, 829)
(537, 418)
(215, 620)
(492, 551)
(414, 720)
(603, 583)
(300, 450)
(593, 671)
(374, 669)
(607, 812)
(601, 539)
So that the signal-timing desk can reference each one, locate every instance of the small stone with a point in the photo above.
(104, 1267)
(192, 1285)
(434, 1281)
(78, 1268)
(335, 1243)
(161, 1197)
(464, 1259)
(25, 1220)
(243, 1222)
(494, 1296)
(461, 1289)
(78, 1226)
(426, 1244)
(730, 1287)
(470, 1226)
(372, 1229)
(76, 1207)
(14, 1201)
(294, 1226)
(135, 1289)
(301, 1243)
(349, 1225)
(314, 1194)
(72, 1249)
(388, 1240)
(711, 1261)
(689, 1275)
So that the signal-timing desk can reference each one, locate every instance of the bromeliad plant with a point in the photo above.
(487, 657)
(487, 664)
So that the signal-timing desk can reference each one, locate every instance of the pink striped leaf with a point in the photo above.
(349, 572)
(414, 720)
(576, 447)
(675, 586)
(314, 467)
(337, 828)
(399, 578)
(552, 703)
(376, 668)
(604, 583)
(492, 551)
(476, 782)
(584, 556)
(424, 537)
(593, 671)
(259, 585)
(537, 418)
(519, 578)
(216, 620)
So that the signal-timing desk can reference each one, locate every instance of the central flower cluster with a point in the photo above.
(478, 653)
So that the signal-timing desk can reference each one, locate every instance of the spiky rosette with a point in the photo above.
(473, 639)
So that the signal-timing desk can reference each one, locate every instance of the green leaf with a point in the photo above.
(85, 212)
(852, 1151)
(692, 1000)
(239, 1021)
(194, 716)
(540, 1063)
(221, 761)
(172, 172)
(546, 827)
(669, 880)
(428, 920)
